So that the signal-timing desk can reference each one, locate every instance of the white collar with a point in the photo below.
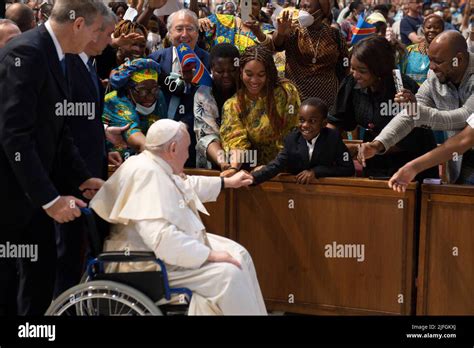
(313, 141)
(59, 49)
(85, 58)
(175, 56)
(160, 161)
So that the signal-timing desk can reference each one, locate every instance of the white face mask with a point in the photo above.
(306, 19)
(143, 110)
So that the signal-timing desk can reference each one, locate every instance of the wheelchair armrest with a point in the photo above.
(129, 256)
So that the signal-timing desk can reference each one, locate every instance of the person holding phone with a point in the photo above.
(244, 31)
(366, 99)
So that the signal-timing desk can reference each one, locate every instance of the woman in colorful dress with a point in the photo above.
(416, 62)
(316, 55)
(136, 101)
(264, 110)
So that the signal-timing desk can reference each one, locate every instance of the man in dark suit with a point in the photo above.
(310, 152)
(183, 27)
(36, 149)
(89, 137)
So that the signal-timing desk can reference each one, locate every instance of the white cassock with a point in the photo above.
(154, 210)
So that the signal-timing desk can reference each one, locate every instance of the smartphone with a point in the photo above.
(245, 10)
(397, 78)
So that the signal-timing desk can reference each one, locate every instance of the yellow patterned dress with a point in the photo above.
(254, 131)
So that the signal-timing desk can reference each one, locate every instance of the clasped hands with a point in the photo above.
(67, 208)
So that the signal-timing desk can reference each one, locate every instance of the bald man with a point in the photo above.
(22, 15)
(443, 102)
(8, 30)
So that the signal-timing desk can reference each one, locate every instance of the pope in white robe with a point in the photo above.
(154, 207)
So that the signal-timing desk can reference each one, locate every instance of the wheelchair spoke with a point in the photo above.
(103, 298)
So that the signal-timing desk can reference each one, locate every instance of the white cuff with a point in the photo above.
(50, 204)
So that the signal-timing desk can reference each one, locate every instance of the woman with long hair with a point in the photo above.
(366, 99)
(256, 120)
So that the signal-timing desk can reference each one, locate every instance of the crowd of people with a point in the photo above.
(277, 89)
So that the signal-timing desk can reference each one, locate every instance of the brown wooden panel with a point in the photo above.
(217, 221)
(288, 246)
(446, 281)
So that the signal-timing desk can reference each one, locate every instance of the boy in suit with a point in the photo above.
(311, 151)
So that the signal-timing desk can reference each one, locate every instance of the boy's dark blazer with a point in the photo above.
(330, 157)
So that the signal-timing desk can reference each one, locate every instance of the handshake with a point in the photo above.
(239, 179)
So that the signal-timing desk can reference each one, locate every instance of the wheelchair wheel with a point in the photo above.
(102, 298)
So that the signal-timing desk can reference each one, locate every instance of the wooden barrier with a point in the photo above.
(445, 274)
(289, 230)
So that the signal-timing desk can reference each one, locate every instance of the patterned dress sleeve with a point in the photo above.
(119, 112)
(288, 101)
(233, 131)
(206, 115)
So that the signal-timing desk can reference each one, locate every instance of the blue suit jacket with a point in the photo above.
(88, 134)
(31, 127)
(330, 157)
(165, 58)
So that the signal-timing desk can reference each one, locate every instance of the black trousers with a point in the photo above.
(74, 245)
(71, 249)
(25, 281)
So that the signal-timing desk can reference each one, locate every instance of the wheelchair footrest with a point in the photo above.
(149, 283)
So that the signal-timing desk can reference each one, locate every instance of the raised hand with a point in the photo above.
(284, 23)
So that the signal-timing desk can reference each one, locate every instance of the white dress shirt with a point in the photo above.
(310, 145)
(470, 121)
(61, 56)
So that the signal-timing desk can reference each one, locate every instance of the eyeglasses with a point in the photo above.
(189, 29)
(143, 92)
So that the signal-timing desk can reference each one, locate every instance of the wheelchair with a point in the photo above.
(119, 294)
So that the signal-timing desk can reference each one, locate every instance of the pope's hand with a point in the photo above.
(66, 209)
(222, 256)
(240, 179)
(90, 187)
(400, 180)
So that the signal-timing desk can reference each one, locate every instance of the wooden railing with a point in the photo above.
(290, 229)
(446, 268)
